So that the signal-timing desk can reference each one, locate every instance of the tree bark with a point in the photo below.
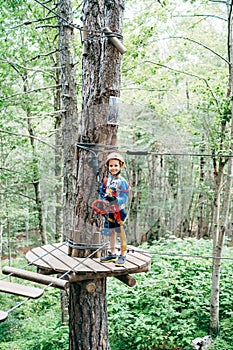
(101, 79)
(69, 117)
(87, 310)
(221, 226)
(58, 157)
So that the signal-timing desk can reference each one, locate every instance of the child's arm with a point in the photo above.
(124, 193)
(102, 191)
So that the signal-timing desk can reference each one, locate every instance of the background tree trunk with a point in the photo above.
(69, 117)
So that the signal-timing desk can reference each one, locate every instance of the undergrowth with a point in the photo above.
(167, 309)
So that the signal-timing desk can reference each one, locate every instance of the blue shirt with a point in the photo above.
(115, 186)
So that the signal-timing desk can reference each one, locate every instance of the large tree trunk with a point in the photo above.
(101, 79)
(88, 309)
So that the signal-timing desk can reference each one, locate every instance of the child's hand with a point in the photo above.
(111, 199)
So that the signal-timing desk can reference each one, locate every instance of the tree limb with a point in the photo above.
(26, 23)
(200, 15)
(24, 135)
(30, 91)
(203, 45)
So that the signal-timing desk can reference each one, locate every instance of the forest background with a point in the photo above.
(175, 106)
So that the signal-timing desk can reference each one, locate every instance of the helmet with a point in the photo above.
(117, 156)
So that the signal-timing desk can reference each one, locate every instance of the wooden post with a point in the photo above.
(35, 277)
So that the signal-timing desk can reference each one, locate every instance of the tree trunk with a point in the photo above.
(88, 310)
(36, 171)
(220, 230)
(101, 79)
(69, 117)
(217, 251)
(58, 159)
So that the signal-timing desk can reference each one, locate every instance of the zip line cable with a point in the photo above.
(81, 29)
(57, 15)
(182, 255)
(32, 262)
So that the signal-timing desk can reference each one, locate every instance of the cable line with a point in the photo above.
(182, 255)
(60, 277)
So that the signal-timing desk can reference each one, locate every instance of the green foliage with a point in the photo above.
(169, 307)
(35, 326)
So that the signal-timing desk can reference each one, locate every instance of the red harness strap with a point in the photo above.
(103, 208)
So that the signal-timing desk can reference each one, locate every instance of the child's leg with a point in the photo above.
(113, 241)
(123, 240)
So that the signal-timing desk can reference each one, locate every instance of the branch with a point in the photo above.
(29, 136)
(26, 23)
(47, 114)
(47, 26)
(198, 43)
(42, 55)
(197, 15)
(14, 64)
(19, 194)
(30, 91)
(185, 73)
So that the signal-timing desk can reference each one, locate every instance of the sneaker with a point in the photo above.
(109, 258)
(121, 260)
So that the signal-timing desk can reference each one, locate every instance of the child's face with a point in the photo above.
(114, 166)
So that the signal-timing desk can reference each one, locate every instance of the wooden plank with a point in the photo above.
(35, 277)
(69, 263)
(55, 257)
(50, 260)
(83, 261)
(142, 257)
(134, 260)
(3, 315)
(19, 289)
(97, 266)
(121, 271)
(36, 260)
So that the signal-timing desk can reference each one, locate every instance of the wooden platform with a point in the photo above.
(54, 258)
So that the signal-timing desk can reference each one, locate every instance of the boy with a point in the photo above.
(115, 190)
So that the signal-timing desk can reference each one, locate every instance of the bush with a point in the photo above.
(169, 306)
(167, 309)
